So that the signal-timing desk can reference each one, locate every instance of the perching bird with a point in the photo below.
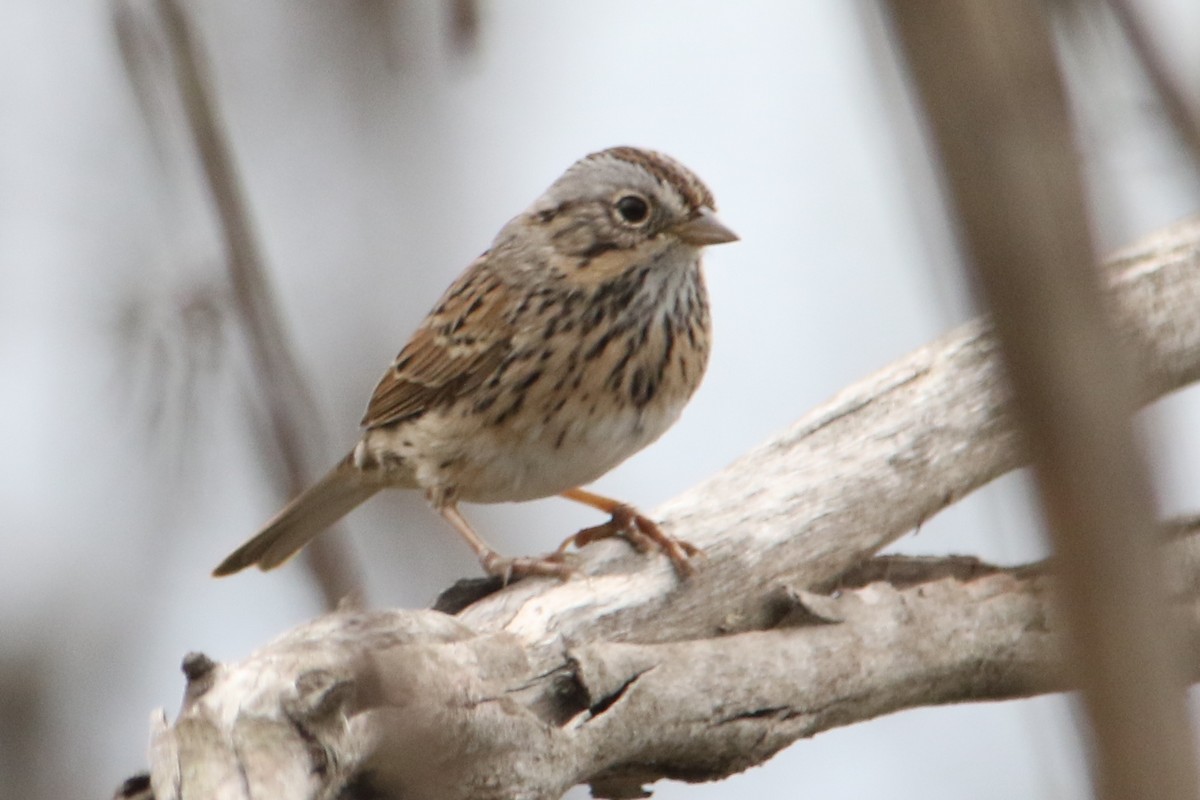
(573, 342)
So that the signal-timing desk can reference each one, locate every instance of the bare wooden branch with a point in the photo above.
(625, 675)
(413, 704)
(452, 713)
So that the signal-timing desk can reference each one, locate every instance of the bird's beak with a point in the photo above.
(704, 229)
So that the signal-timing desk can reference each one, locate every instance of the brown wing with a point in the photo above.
(462, 342)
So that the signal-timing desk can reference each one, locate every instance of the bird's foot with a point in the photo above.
(506, 568)
(640, 531)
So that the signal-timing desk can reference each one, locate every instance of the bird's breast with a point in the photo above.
(589, 382)
(543, 458)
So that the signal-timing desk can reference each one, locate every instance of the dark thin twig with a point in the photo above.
(291, 411)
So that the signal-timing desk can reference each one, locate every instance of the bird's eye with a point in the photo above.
(633, 209)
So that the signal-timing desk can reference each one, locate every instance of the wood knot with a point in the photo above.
(135, 788)
(197, 666)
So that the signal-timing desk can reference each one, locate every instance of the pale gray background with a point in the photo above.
(378, 164)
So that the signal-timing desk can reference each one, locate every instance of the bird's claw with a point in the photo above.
(506, 568)
(640, 531)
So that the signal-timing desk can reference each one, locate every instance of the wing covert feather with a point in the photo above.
(458, 346)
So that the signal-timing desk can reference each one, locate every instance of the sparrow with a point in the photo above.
(572, 343)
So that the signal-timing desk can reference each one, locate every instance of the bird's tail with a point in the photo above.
(318, 507)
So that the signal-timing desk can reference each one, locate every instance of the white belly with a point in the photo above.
(512, 465)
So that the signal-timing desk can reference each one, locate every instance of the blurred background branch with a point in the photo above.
(292, 416)
(1180, 109)
(988, 77)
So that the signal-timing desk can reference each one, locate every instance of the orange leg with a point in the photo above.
(627, 522)
(496, 564)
